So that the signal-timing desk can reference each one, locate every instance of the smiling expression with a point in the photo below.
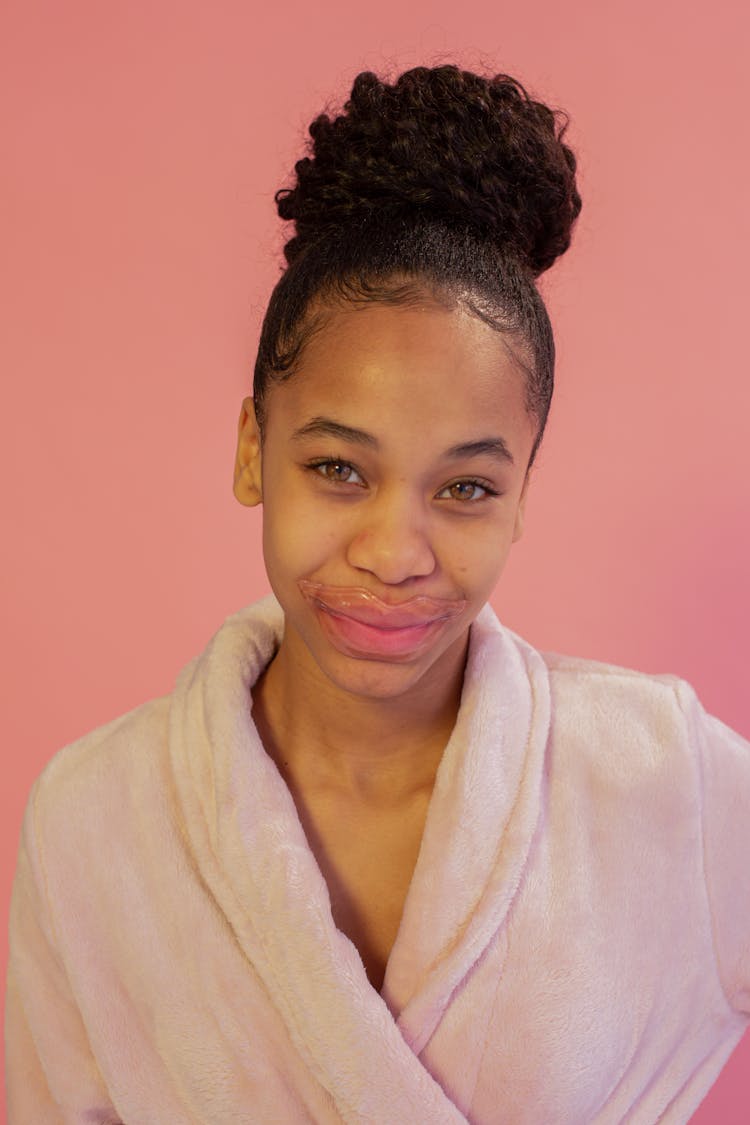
(393, 476)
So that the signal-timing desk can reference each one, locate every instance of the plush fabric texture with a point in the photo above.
(574, 948)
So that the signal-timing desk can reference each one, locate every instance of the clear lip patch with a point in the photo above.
(360, 602)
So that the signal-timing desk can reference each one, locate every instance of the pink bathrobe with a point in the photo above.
(575, 944)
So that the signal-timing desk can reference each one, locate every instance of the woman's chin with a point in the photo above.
(378, 677)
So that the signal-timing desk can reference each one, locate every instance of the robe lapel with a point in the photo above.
(251, 853)
(479, 829)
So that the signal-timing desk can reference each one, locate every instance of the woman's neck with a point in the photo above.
(321, 736)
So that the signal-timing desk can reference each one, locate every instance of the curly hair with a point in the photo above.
(445, 181)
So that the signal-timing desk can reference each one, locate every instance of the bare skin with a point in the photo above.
(362, 801)
(366, 846)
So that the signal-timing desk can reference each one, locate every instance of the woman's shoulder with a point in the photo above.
(104, 762)
(608, 708)
(584, 677)
(611, 691)
(592, 684)
(619, 697)
(620, 717)
(130, 754)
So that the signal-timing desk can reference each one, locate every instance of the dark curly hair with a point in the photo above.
(444, 181)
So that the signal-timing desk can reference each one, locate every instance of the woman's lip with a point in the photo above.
(360, 639)
(362, 605)
(361, 624)
(392, 619)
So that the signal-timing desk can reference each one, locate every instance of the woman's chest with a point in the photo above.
(367, 856)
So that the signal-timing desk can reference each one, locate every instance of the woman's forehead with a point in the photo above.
(426, 378)
(415, 357)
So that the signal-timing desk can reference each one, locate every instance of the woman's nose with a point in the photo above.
(391, 541)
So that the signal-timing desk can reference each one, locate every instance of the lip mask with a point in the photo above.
(362, 604)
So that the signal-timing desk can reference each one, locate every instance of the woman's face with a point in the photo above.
(393, 481)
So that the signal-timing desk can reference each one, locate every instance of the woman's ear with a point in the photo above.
(247, 474)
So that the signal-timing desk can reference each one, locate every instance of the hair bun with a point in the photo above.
(440, 143)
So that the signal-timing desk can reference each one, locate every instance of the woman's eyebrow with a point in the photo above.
(492, 446)
(326, 427)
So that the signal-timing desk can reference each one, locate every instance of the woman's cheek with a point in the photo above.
(479, 555)
(302, 537)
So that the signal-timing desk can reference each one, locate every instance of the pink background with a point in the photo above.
(142, 144)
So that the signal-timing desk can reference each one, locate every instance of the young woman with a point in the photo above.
(376, 859)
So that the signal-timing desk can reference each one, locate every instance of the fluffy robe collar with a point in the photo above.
(246, 839)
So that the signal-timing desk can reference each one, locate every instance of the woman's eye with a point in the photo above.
(340, 472)
(466, 490)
